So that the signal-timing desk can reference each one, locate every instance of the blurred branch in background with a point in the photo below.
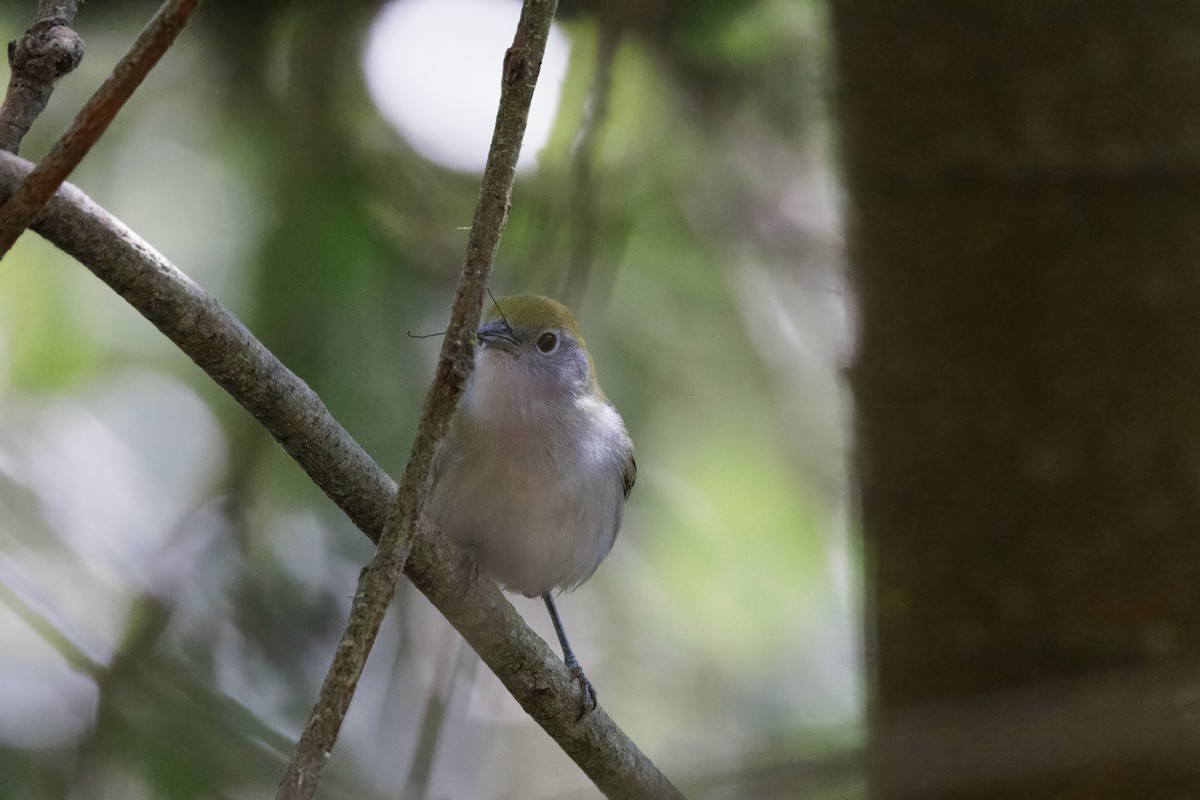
(15, 592)
(583, 216)
(46, 52)
(137, 667)
(22, 206)
(455, 668)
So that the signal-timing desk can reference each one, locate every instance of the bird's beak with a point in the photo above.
(497, 334)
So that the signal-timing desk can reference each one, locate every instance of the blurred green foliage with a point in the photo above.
(722, 633)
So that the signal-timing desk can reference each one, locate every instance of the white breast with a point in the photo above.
(534, 489)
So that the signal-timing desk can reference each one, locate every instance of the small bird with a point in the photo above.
(534, 471)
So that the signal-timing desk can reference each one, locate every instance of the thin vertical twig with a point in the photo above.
(46, 52)
(377, 583)
(92, 120)
(455, 667)
(584, 214)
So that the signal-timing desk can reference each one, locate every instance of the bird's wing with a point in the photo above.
(629, 474)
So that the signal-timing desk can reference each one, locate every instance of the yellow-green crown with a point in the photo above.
(533, 312)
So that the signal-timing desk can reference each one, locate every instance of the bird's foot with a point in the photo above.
(587, 692)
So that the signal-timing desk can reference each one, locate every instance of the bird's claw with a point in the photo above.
(587, 693)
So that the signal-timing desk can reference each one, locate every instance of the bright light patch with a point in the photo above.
(433, 70)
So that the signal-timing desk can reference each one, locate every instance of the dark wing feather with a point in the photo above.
(629, 476)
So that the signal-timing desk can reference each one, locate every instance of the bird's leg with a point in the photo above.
(587, 699)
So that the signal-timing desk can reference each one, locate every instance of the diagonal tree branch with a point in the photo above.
(19, 211)
(48, 50)
(293, 414)
(377, 583)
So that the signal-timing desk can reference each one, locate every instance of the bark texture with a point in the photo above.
(1025, 232)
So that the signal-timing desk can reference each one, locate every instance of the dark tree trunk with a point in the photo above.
(1025, 233)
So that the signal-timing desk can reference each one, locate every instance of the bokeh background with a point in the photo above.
(172, 586)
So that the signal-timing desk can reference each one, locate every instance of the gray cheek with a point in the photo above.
(549, 372)
(579, 366)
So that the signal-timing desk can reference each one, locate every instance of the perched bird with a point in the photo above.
(533, 474)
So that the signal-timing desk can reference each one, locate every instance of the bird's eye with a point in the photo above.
(547, 342)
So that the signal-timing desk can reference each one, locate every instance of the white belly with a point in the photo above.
(537, 518)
